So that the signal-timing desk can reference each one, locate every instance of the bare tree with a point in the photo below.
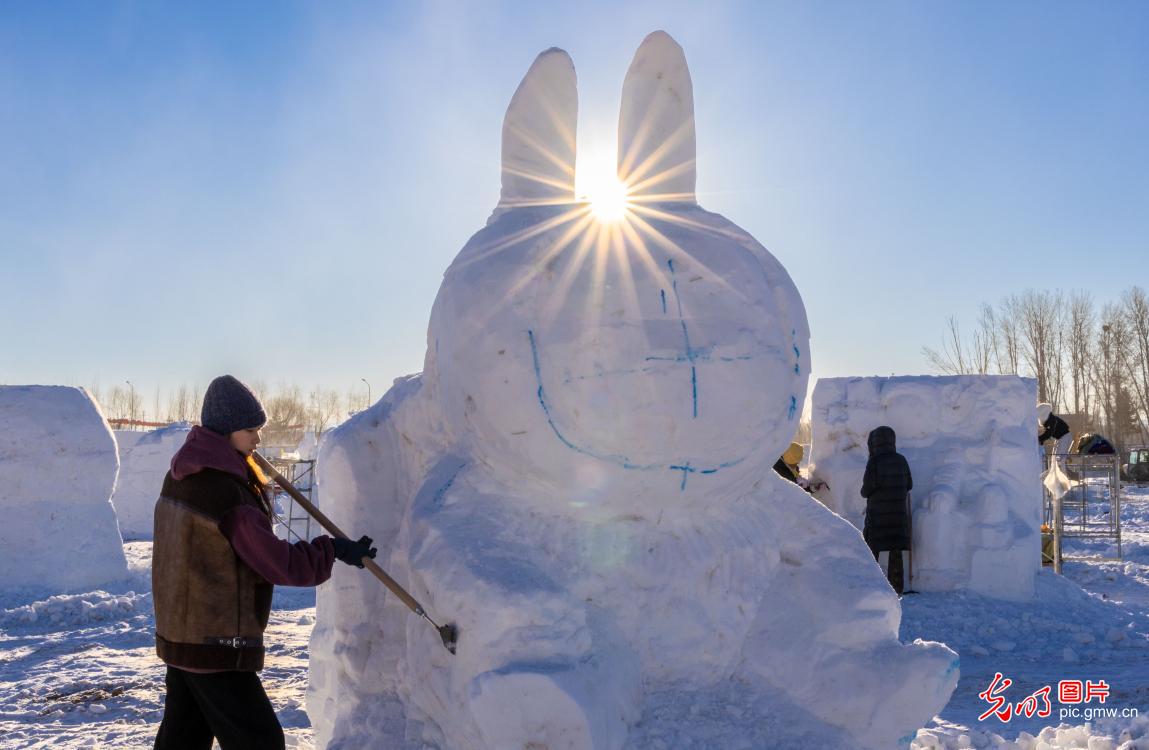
(116, 403)
(1007, 347)
(180, 405)
(326, 409)
(1041, 339)
(286, 416)
(1135, 305)
(1108, 368)
(986, 340)
(357, 399)
(952, 359)
(97, 395)
(959, 357)
(1080, 337)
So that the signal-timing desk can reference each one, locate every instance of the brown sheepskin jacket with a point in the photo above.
(215, 558)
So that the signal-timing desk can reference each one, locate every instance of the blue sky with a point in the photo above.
(274, 189)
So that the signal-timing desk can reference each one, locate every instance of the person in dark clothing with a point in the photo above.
(787, 464)
(886, 486)
(1053, 427)
(215, 560)
(785, 471)
(787, 467)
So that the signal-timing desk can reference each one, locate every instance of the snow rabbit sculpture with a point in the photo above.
(581, 479)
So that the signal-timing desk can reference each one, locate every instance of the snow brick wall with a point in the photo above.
(971, 443)
(144, 460)
(58, 466)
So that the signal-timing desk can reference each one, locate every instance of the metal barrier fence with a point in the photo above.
(1091, 507)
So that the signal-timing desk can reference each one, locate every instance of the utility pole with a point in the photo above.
(131, 404)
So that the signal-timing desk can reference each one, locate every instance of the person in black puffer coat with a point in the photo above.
(886, 487)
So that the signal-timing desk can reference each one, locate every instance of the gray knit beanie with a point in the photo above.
(229, 405)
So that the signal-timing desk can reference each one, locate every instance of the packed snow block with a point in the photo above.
(580, 479)
(58, 466)
(145, 458)
(970, 444)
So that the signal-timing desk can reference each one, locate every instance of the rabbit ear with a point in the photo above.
(539, 134)
(656, 147)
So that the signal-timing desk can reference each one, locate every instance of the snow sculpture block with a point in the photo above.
(144, 460)
(581, 480)
(58, 466)
(970, 443)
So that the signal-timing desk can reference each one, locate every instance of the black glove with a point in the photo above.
(353, 553)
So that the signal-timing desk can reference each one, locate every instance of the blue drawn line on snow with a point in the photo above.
(542, 396)
(797, 353)
(793, 406)
(662, 293)
(694, 388)
(431, 496)
(701, 357)
(612, 458)
(691, 355)
(605, 373)
(797, 370)
(442, 491)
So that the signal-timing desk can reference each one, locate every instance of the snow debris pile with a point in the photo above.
(77, 609)
(971, 445)
(1103, 734)
(144, 460)
(57, 469)
(581, 480)
(1063, 625)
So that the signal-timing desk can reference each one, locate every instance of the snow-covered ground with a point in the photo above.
(79, 671)
(1090, 625)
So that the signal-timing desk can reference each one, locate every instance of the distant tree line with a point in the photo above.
(290, 411)
(1090, 362)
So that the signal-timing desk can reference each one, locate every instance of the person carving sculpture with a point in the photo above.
(215, 560)
(1052, 427)
(788, 468)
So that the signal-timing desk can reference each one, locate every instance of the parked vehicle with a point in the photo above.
(1136, 469)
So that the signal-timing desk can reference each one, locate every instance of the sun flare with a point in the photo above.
(599, 186)
(608, 199)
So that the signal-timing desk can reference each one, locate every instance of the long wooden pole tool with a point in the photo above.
(449, 633)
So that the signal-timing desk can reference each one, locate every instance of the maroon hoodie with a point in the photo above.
(246, 528)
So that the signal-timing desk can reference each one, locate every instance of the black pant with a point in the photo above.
(895, 572)
(231, 707)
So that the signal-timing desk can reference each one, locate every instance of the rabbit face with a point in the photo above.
(665, 350)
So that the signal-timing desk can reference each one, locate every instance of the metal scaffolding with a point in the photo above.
(1091, 507)
(292, 520)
